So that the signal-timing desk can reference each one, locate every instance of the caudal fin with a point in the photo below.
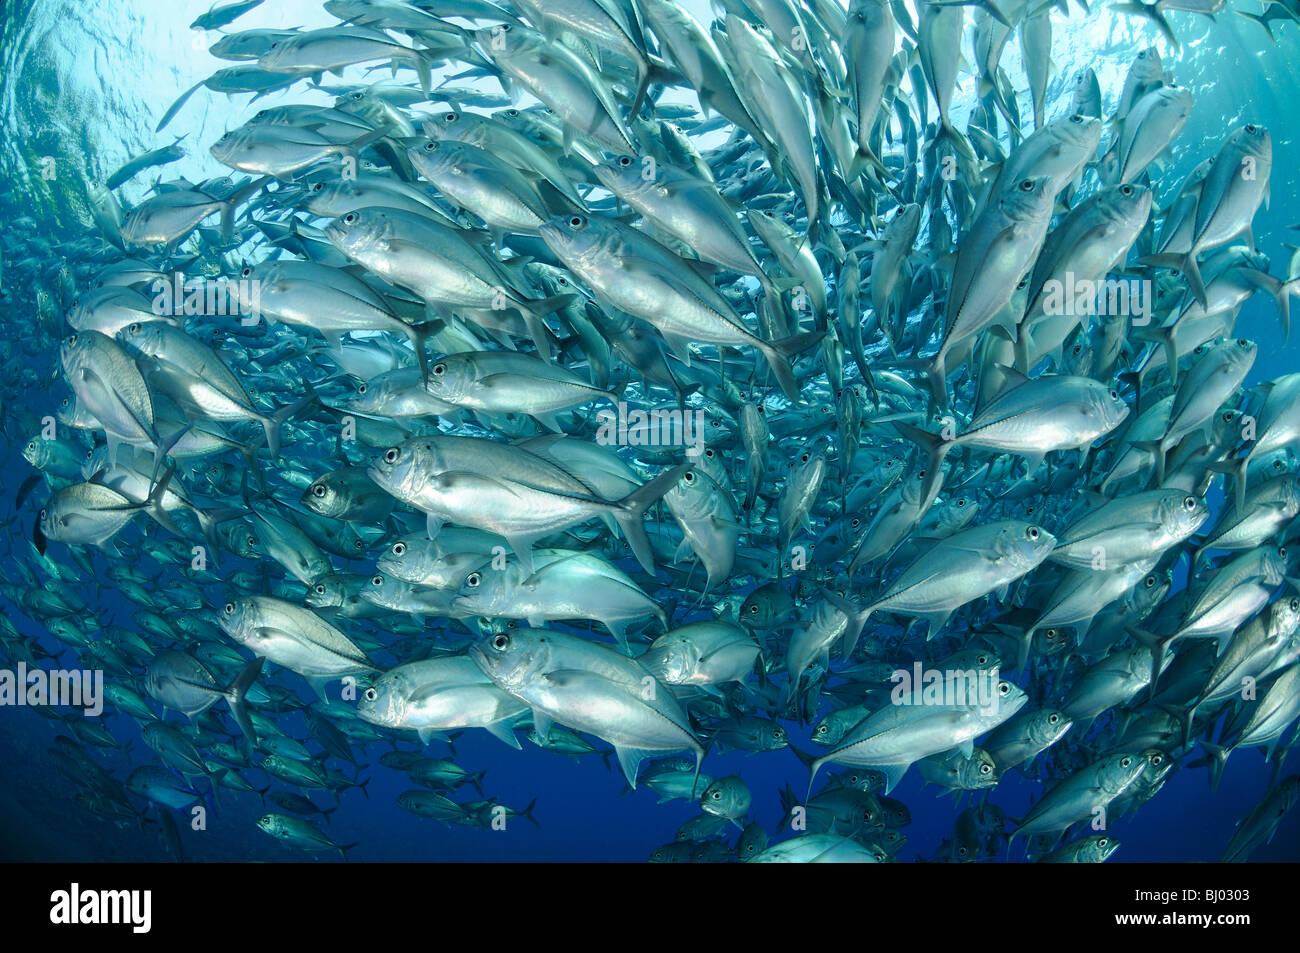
(236, 695)
(1185, 263)
(779, 354)
(631, 511)
(935, 449)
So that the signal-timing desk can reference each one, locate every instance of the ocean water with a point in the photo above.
(82, 86)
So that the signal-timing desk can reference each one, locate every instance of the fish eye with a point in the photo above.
(370, 694)
(1242, 342)
(320, 589)
(318, 187)
(1027, 185)
(377, 579)
(753, 610)
(1103, 841)
(985, 769)
(449, 117)
(430, 146)
(512, 112)
(229, 608)
(1004, 688)
(688, 477)
(856, 521)
(1251, 128)
(248, 270)
(501, 642)
(358, 545)
(982, 660)
(318, 489)
(1126, 190)
(1125, 762)
(577, 221)
(1053, 718)
(1150, 581)
(1189, 503)
(399, 549)
(438, 369)
(717, 795)
(362, 388)
(1156, 758)
(961, 502)
(392, 455)
(1114, 395)
(1032, 532)
(473, 579)
(625, 161)
(1076, 118)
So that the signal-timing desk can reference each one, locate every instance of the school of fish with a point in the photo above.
(638, 386)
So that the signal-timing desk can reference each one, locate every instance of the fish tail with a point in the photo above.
(236, 695)
(1218, 758)
(1185, 263)
(208, 520)
(274, 423)
(779, 354)
(630, 511)
(533, 313)
(936, 448)
(236, 199)
(1280, 290)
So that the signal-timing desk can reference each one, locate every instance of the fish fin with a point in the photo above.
(631, 510)
(779, 354)
(1186, 263)
(630, 760)
(542, 725)
(1218, 758)
(237, 694)
(318, 684)
(429, 735)
(893, 774)
(501, 730)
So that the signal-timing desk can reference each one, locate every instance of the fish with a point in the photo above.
(666, 390)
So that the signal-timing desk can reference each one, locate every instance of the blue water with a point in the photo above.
(84, 83)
